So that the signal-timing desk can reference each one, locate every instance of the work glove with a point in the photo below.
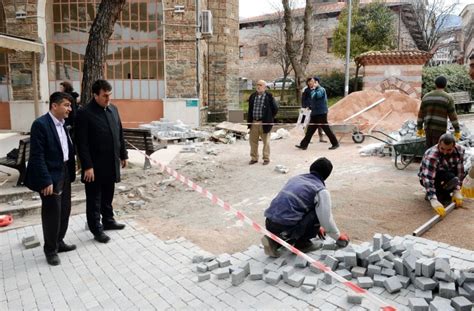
(457, 198)
(457, 135)
(438, 207)
(420, 133)
(322, 233)
(343, 240)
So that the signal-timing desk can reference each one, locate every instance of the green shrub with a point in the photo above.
(457, 75)
(334, 84)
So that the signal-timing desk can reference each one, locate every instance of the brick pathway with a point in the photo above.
(136, 270)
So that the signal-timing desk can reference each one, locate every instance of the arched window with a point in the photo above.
(135, 54)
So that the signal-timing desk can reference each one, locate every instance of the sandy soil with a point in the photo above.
(369, 195)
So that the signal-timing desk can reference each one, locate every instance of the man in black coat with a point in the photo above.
(50, 171)
(102, 152)
(260, 116)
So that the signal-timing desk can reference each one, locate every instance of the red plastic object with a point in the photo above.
(5, 220)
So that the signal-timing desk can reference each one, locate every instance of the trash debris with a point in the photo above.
(279, 134)
(170, 130)
(211, 151)
(375, 149)
(281, 169)
(5, 220)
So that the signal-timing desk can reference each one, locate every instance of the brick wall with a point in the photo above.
(405, 78)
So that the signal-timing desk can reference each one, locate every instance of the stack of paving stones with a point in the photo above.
(170, 129)
(408, 272)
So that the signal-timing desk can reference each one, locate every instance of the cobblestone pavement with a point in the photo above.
(136, 270)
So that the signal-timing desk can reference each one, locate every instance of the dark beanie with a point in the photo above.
(322, 167)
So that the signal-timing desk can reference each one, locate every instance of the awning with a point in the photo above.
(13, 43)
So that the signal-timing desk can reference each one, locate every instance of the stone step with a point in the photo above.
(28, 207)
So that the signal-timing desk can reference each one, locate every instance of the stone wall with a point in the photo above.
(405, 78)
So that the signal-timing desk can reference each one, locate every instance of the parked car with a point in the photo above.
(278, 84)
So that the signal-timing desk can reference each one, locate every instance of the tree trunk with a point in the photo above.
(356, 82)
(96, 51)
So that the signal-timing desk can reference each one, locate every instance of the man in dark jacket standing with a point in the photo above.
(317, 101)
(102, 152)
(50, 171)
(261, 114)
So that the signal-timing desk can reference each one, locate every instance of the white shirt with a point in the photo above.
(62, 136)
(324, 213)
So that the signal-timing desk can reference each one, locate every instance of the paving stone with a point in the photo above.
(409, 262)
(373, 269)
(314, 269)
(212, 265)
(376, 256)
(331, 262)
(418, 304)
(197, 258)
(307, 289)
(201, 268)
(272, 278)
(442, 264)
(223, 261)
(425, 294)
(256, 273)
(300, 262)
(271, 267)
(425, 283)
(345, 274)
(379, 280)
(388, 272)
(311, 281)
(442, 276)
(389, 256)
(428, 268)
(469, 287)
(350, 259)
(245, 265)
(30, 242)
(365, 282)
(280, 262)
(440, 304)
(392, 284)
(461, 304)
(358, 272)
(327, 278)
(355, 299)
(295, 280)
(363, 252)
(465, 276)
(342, 266)
(404, 280)
(222, 273)
(377, 241)
(447, 290)
(287, 272)
(208, 258)
(329, 245)
(204, 276)
(238, 276)
(418, 266)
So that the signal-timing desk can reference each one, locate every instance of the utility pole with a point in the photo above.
(348, 47)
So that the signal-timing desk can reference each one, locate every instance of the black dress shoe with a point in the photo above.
(334, 147)
(53, 260)
(301, 147)
(102, 237)
(113, 226)
(63, 247)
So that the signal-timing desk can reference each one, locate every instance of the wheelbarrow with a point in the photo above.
(405, 151)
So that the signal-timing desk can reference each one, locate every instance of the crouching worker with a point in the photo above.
(301, 211)
(442, 173)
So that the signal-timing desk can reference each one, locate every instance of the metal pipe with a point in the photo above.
(348, 47)
(430, 223)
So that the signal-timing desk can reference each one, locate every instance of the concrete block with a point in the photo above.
(440, 305)
(212, 265)
(428, 268)
(365, 282)
(345, 274)
(442, 264)
(461, 304)
(469, 287)
(238, 276)
(355, 299)
(280, 262)
(404, 280)
(409, 262)
(300, 262)
(363, 252)
(197, 258)
(350, 259)
(245, 265)
(204, 276)
(373, 269)
(329, 245)
(379, 280)
(376, 256)
(287, 272)
(462, 292)
(222, 273)
(358, 272)
(389, 256)
(341, 266)
(388, 272)
(30, 241)
(327, 278)
(311, 281)
(377, 241)
(425, 294)
(201, 268)
(400, 267)
(314, 269)
(442, 276)
(425, 283)
(256, 273)
(418, 265)
(331, 262)
(208, 258)
(363, 263)
(339, 255)
(392, 284)
(384, 263)
(295, 280)
(307, 289)
(271, 267)
(465, 276)
(397, 249)
(447, 290)
(418, 304)
(272, 278)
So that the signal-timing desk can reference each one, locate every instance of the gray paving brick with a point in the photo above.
(354, 299)
(238, 276)
(256, 273)
(377, 241)
(328, 279)
(404, 280)
(428, 268)
(345, 274)
(373, 269)
(222, 273)
(376, 256)
(418, 304)
(203, 277)
(409, 262)
(295, 279)
(358, 272)
(447, 290)
(425, 294)
(465, 276)
(212, 265)
(461, 304)
(350, 259)
(425, 283)
(272, 277)
(440, 304)
(365, 282)
(300, 262)
(392, 284)
(469, 287)
(307, 289)
(331, 262)
(388, 272)
(379, 280)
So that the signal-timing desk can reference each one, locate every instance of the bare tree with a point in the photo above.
(433, 17)
(96, 51)
(299, 63)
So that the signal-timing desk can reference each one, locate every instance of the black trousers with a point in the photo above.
(321, 122)
(306, 229)
(99, 196)
(432, 137)
(55, 212)
(445, 183)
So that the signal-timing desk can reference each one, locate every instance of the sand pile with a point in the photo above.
(387, 116)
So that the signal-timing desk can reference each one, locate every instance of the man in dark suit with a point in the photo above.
(102, 152)
(50, 171)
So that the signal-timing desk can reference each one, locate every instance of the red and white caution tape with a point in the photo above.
(317, 264)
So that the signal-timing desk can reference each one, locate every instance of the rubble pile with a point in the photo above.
(414, 272)
(165, 129)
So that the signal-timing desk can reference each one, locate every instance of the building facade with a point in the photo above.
(159, 61)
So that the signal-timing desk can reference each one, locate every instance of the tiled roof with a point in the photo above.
(410, 57)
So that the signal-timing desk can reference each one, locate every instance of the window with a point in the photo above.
(329, 45)
(263, 49)
(241, 51)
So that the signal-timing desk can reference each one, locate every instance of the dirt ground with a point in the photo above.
(369, 195)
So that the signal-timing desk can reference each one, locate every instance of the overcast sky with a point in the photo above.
(248, 8)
